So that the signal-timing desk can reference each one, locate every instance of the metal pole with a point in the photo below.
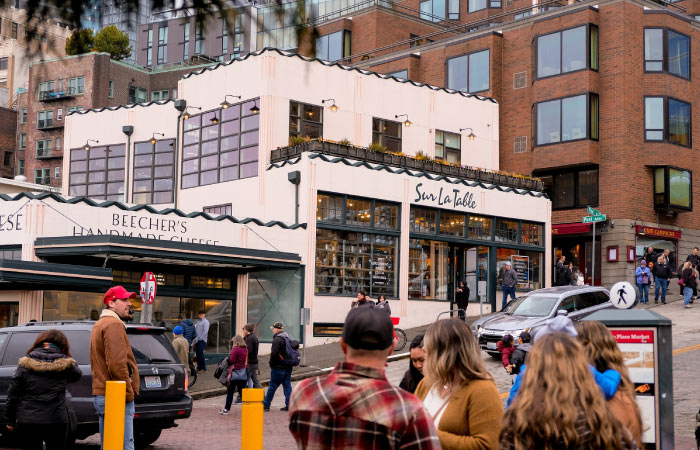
(128, 168)
(177, 160)
(593, 258)
(218, 327)
(296, 204)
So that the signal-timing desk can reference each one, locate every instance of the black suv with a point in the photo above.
(163, 396)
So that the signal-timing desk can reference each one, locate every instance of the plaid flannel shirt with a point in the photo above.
(355, 407)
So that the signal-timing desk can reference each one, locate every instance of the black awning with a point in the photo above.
(32, 272)
(164, 252)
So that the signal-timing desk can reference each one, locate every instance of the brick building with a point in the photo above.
(8, 130)
(61, 86)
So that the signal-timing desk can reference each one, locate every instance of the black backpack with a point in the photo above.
(291, 352)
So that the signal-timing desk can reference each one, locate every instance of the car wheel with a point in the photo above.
(144, 438)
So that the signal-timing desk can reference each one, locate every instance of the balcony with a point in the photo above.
(51, 96)
(48, 153)
(48, 124)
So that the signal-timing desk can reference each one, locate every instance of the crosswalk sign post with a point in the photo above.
(595, 217)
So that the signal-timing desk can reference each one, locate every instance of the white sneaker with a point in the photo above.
(688, 306)
(224, 412)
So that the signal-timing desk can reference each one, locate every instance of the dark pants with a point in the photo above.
(462, 311)
(506, 292)
(231, 389)
(254, 376)
(277, 377)
(199, 349)
(35, 434)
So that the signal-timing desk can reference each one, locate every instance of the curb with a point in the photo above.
(316, 371)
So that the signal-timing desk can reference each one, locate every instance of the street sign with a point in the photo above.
(593, 212)
(594, 219)
(148, 288)
(623, 295)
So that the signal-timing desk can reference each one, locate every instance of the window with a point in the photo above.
(469, 73)
(14, 30)
(59, 114)
(507, 231)
(305, 120)
(23, 116)
(154, 172)
(387, 133)
(479, 227)
(76, 85)
(567, 51)
(567, 119)
(676, 57)
(137, 95)
(573, 188)
(57, 172)
(42, 176)
(667, 119)
(44, 119)
(448, 146)
(520, 144)
(403, 74)
(22, 141)
(198, 39)
(220, 145)
(45, 88)
(434, 10)
(10, 252)
(219, 210)
(673, 189)
(476, 5)
(98, 172)
(334, 46)
(162, 44)
(111, 88)
(531, 234)
(350, 259)
(149, 49)
(186, 43)
(7, 158)
(58, 143)
(43, 148)
(224, 40)
(159, 95)
(20, 167)
(417, 40)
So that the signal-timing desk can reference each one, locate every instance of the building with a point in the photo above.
(234, 221)
(58, 87)
(8, 138)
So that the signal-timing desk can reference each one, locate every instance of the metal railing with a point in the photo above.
(57, 95)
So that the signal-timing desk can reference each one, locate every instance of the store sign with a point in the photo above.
(148, 288)
(454, 198)
(658, 232)
(570, 228)
(520, 265)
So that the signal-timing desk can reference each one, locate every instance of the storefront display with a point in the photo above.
(660, 240)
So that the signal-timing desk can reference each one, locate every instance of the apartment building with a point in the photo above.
(8, 130)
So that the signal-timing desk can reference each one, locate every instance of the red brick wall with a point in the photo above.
(8, 139)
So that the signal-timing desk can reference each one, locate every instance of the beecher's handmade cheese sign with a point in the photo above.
(658, 232)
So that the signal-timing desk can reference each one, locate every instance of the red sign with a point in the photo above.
(570, 228)
(633, 336)
(148, 288)
(658, 232)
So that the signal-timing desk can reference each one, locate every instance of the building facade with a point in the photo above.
(8, 137)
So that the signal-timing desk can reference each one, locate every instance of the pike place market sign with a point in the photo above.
(455, 198)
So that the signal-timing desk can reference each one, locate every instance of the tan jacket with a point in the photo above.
(111, 358)
(472, 418)
(182, 348)
(622, 407)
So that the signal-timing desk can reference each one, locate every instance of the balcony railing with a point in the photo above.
(45, 153)
(48, 124)
(49, 96)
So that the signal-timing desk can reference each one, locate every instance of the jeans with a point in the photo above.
(99, 402)
(199, 349)
(506, 292)
(277, 377)
(687, 294)
(661, 285)
(643, 293)
(231, 390)
(35, 434)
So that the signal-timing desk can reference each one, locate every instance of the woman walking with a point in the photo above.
(643, 275)
(457, 391)
(237, 375)
(36, 399)
(689, 277)
(559, 405)
(602, 350)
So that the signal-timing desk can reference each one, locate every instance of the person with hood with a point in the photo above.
(608, 381)
(517, 359)
(188, 329)
(414, 374)
(643, 275)
(505, 347)
(182, 348)
(36, 398)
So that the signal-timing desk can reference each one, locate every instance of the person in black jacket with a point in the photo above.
(519, 355)
(188, 330)
(662, 272)
(36, 398)
(280, 372)
(252, 342)
(414, 374)
(694, 259)
(462, 298)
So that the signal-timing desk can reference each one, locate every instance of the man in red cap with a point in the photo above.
(111, 358)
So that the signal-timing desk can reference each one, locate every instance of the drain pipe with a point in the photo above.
(295, 178)
(128, 130)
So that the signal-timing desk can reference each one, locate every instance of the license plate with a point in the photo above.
(152, 382)
(491, 345)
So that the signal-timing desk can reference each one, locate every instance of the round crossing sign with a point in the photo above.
(623, 295)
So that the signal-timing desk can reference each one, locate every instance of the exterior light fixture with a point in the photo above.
(407, 123)
(255, 109)
(225, 104)
(214, 119)
(333, 106)
(87, 146)
(471, 134)
(186, 115)
(153, 138)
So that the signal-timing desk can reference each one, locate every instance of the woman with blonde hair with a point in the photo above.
(602, 350)
(237, 371)
(559, 405)
(457, 391)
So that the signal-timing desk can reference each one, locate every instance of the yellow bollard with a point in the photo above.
(252, 419)
(115, 404)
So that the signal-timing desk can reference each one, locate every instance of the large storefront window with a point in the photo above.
(98, 172)
(153, 171)
(527, 264)
(275, 296)
(429, 266)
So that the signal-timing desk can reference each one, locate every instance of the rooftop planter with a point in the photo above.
(408, 162)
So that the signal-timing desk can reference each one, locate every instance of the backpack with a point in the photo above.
(291, 352)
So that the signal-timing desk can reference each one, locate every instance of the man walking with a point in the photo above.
(662, 272)
(510, 279)
(200, 342)
(694, 259)
(111, 358)
(280, 372)
(188, 330)
(182, 347)
(252, 343)
(354, 406)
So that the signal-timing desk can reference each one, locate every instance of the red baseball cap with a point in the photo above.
(117, 292)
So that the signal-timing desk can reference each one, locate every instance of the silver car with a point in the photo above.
(528, 313)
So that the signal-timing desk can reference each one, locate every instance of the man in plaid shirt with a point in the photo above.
(354, 406)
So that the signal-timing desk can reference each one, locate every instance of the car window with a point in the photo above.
(3, 338)
(152, 348)
(601, 297)
(79, 341)
(17, 347)
(568, 304)
(585, 300)
(534, 305)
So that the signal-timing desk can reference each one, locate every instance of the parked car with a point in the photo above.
(163, 396)
(529, 312)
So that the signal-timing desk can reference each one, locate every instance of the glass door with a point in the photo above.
(9, 313)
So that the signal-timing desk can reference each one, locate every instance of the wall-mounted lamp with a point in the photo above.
(186, 115)
(87, 146)
(214, 119)
(255, 109)
(333, 106)
(641, 228)
(471, 134)
(225, 104)
(153, 138)
(407, 123)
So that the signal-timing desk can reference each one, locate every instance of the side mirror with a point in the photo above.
(562, 312)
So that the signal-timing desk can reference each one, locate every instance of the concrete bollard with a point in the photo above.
(252, 419)
(115, 405)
